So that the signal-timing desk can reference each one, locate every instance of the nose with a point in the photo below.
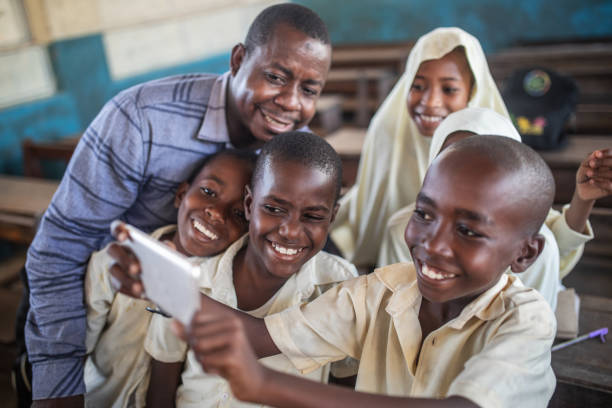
(290, 229)
(214, 214)
(432, 98)
(437, 240)
(288, 98)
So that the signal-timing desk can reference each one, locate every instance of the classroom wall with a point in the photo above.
(496, 23)
(61, 60)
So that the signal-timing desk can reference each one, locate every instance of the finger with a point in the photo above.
(602, 172)
(125, 259)
(121, 232)
(604, 184)
(127, 284)
(603, 162)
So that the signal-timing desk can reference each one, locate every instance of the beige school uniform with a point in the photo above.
(394, 157)
(563, 246)
(203, 390)
(496, 353)
(117, 368)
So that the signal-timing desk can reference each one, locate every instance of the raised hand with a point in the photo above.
(594, 176)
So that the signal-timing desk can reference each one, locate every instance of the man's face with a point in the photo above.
(275, 88)
(466, 228)
(290, 210)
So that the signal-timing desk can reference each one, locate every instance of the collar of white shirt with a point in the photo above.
(401, 280)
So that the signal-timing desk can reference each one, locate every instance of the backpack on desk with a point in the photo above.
(540, 102)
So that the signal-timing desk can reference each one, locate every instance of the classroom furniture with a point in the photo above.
(348, 141)
(584, 370)
(328, 115)
(363, 89)
(35, 153)
(22, 203)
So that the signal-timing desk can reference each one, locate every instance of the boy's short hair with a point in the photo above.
(245, 155)
(301, 147)
(294, 15)
(535, 184)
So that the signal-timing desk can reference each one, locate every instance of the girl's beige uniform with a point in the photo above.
(117, 368)
(395, 155)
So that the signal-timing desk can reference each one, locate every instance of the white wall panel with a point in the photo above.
(136, 50)
(25, 75)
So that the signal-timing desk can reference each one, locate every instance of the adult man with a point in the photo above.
(133, 156)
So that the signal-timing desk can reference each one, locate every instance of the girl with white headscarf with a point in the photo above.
(394, 156)
(563, 246)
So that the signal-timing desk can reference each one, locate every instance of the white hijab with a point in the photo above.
(480, 121)
(395, 155)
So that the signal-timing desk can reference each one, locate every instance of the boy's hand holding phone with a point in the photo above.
(220, 343)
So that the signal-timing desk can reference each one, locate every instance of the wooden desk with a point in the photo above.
(348, 141)
(22, 202)
(584, 370)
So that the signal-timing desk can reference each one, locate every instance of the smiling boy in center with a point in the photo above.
(290, 204)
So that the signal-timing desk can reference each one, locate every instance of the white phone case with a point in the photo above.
(168, 278)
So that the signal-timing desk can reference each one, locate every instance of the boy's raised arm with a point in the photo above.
(224, 346)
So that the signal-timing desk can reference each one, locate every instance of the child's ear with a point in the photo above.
(237, 58)
(532, 247)
(248, 202)
(180, 194)
(334, 212)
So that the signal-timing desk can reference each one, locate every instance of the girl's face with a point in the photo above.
(211, 209)
(440, 87)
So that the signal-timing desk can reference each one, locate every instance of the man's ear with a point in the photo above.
(180, 194)
(248, 203)
(532, 248)
(237, 58)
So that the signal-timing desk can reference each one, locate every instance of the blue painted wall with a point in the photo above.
(496, 23)
(85, 84)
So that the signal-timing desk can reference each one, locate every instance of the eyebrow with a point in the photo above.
(471, 215)
(289, 73)
(214, 178)
(289, 204)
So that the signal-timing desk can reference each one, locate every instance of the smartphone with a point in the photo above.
(168, 277)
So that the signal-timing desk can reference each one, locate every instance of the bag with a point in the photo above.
(540, 102)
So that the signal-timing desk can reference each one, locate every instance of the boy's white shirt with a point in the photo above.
(394, 157)
(202, 390)
(496, 353)
(117, 367)
(563, 247)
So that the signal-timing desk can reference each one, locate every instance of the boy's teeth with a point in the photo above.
(430, 273)
(285, 251)
(209, 234)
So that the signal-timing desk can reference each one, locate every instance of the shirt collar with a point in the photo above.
(401, 280)
(214, 127)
